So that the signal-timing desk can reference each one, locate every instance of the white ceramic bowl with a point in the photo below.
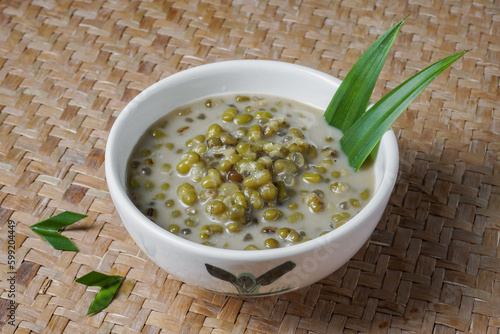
(260, 272)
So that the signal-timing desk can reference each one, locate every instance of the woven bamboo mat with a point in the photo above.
(67, 69)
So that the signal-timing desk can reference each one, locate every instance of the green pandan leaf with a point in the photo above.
(360, 139)
(49, 229)
(362, 129)
(109, 284)
(353, 96)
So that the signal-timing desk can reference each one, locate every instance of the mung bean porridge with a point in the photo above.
(245, 172)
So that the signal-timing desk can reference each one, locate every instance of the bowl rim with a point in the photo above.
(118, 193)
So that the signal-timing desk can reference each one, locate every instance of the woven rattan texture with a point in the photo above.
(68, 67)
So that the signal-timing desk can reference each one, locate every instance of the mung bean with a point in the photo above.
(254, 133)
(312, 177)
(212, 180)
(187, 193)
(295, 217)
(272, 214)
(240, 98)
(214, 130)
(257, 178)
(229, 114)
(314, 202)
(271, 243)
(243, 119)
(236, 212)
(233, 227)
(215, 207)
(173, 228)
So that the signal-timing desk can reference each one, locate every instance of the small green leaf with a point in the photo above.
(109, 284)
(57, 240)
(353, 96)
(49, 229)
(360, 139)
